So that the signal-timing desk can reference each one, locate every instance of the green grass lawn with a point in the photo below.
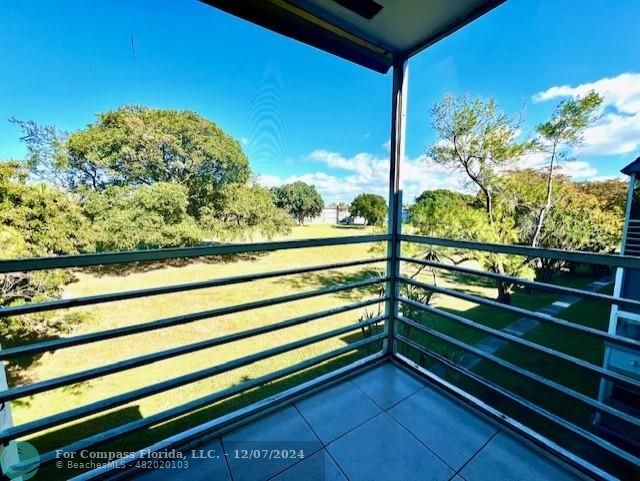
(587, 313)
(137, 311)
(124, 313)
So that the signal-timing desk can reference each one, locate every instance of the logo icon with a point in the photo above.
(20, 460)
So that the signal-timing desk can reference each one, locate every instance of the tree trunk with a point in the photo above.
(504, 288)
(545, 210)
(504, 292)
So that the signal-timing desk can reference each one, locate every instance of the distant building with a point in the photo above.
(625, 322)
(334, 214)
(339, 214)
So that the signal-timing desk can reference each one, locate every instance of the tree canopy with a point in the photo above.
(141, 217)
(577, 221)
(477, 139)
(371, 207)
(47, 221)
(520, 206)
(244, 210)
(133, 154)
(557, 137)
(445, 213)
(136, 178)
(36, 220)
(611, 193)
(299, 199)
(135, 145)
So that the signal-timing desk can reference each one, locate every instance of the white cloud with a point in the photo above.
(601, 178)
(576, 169)
(267, 180)
(618, 131)
(365, 172)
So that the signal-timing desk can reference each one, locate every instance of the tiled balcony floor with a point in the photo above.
(385, 424)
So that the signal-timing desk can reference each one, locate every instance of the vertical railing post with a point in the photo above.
(397, 148)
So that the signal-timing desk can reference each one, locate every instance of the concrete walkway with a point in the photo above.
(522, 326)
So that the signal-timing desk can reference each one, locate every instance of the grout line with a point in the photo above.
(406, 397)
(337, 464)
(350, 430)
(324, 448)
(477, 452)
(309, 424)
(287, 468)
(421, 442)
(359, 425)
(367, 396)
(398, 402)
(226, 459)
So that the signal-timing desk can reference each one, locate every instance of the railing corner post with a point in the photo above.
(397, 149)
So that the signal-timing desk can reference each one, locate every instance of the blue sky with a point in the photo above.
(301, 113)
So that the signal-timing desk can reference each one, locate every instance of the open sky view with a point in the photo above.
(303, 114)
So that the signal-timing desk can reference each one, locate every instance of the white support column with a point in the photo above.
(398, 123)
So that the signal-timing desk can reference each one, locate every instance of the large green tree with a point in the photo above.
(478, 140)
(445, 213)
(299, 199)
(612, 193)
(36, 220)
(48, 221)
(136, 145)
(134, 153)
(141, 217)
(371, 207)
(243, 211)
(577, 221)
(557, 137)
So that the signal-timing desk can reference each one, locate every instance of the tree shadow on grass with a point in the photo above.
(17, 369)
(57, 438)
(461, 278)
(361, 228)
(334, 278)
(142, 267)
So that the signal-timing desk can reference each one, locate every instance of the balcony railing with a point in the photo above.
(593, 440)
(407, 336)
(80, 412)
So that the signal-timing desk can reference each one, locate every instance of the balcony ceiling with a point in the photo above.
(371, 33)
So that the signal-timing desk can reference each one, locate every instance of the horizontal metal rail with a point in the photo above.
(605, 336)
(175, 412)
(610, 260)
(85, 260)
(523, 372)
(554, 418)
(569, 291)
(115, 401)
(35, 388)
(67, 342)
(580, 363)
(172, 289)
